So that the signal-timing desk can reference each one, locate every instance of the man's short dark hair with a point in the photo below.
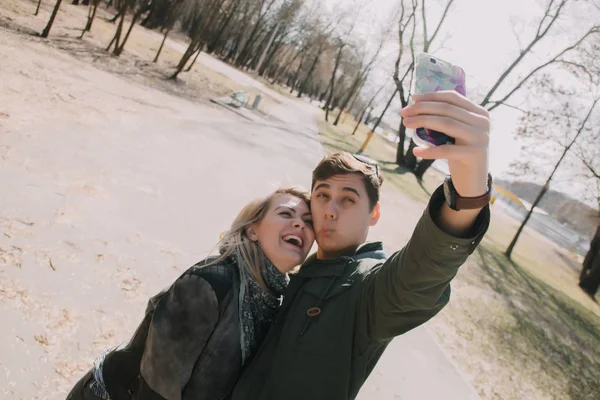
(344, 163)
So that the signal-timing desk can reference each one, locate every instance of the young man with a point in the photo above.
(348, 302)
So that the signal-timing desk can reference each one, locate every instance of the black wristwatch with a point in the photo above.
(457, 202)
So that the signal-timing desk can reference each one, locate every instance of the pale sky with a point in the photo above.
(479, 36)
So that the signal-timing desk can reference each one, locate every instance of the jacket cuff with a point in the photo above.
(446, 242)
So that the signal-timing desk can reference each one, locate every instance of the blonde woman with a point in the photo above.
(197, 335)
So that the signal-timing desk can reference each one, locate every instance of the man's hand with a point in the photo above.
(469, 124)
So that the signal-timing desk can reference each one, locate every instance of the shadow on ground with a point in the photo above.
(568, 332)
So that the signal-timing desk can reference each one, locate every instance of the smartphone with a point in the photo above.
(433, 75)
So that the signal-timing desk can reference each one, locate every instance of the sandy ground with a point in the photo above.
(110, 189)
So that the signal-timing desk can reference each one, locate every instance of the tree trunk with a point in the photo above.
(295, 79)
(184, 59)
(150, 22)
(410, 161)
(213, 44)
(115, 18)
(46, 30)
(266, 66)
(234, 49)
(422, 167)
(242, 55)
(360, 119)
(512, 244)
(37, 10)
(284, 70)
(188, 69)
(400, 158)
(401, 139)
(161, 45)
(117, 36)
(119, 49)
(338, 60)
(347, 100)
(382, 113)
(354, 98)
(308, 76)
(88, 26)
(589, 279)
(91, 16)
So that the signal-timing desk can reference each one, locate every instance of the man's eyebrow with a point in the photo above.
(345, 188)
(351, 189)
(322, 185)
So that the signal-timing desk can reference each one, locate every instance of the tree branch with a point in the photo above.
(437, 29)
(523, 53)
(546, 15)
(486, 100)
(589, 166)
(424, 22)
(578, 66)
(401, 30)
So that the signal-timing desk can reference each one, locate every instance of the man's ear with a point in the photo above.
(375, 214)
(251, 233)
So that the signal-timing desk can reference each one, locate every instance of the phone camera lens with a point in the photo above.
(432, 60)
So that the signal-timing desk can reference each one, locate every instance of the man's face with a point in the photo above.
(341, 214)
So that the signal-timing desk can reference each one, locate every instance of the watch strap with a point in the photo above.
(472, 203)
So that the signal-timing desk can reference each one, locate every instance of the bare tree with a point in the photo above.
(201, 23)
(363, 112)
(123, 6)
(372, 132)
(331, 87)
(93, 6)
(46, 30)
(262, 9)
(361, 76)
(322, 40)
(37, 9)
(581, 128)
(341, 43)
(407, 21)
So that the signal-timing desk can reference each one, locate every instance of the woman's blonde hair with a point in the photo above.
(235, 241)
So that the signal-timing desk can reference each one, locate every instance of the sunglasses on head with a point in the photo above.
(368, 161)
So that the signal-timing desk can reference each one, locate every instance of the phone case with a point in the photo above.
(433, 75)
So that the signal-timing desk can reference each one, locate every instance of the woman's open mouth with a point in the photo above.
(293, 240)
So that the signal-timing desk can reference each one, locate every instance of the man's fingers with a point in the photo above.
(446, 110)
(451, 127)
(454, 98)
(448, 152)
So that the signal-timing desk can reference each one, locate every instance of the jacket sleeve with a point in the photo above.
(413, 284)
(183, 321)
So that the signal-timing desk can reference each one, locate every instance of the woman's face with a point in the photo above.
(285, 234)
